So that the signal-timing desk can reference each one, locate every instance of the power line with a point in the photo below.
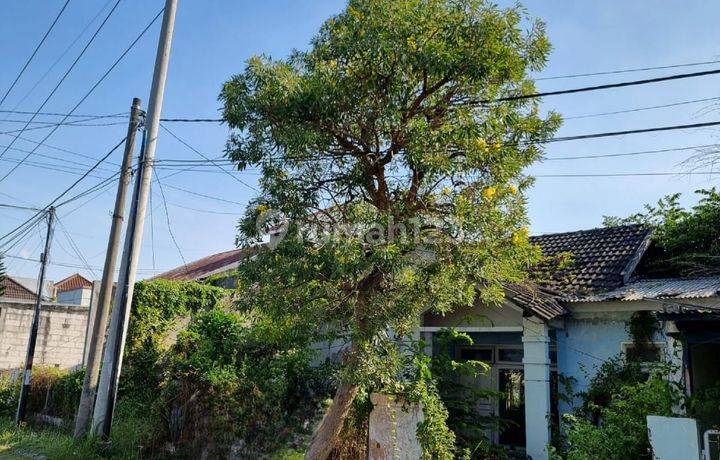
(67, 72)
(62, 55)
(102, 78)
(202, 195)
(53, 147)
(640, 109)
(193, 149)
(70, 265)
(169, 225)
(709, 173)
(37, 48)
(633, 131)
(208, 211)
(614, 72)
(641, 152)
(66, 191)
(23, 208)
(76, 249)
(192, 120)
(602, 87)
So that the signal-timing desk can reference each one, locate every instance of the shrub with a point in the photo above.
(9, 391)
(159, 311)
(620, 430)
(228, 383)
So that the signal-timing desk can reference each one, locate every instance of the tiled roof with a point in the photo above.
(30, 284)
(673, 288)
(535, 301)
(603, 258)
(72, 282)
(216, 263)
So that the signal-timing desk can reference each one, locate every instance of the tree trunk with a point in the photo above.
(327, 433)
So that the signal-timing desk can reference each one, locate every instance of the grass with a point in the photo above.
(38, 442)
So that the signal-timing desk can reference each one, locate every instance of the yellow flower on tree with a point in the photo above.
(489, 193)
(262, 208)
(520, 235)
(412, 44)
(512, 189)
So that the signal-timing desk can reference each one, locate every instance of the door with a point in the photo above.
(511, 408)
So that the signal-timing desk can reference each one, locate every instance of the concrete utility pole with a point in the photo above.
(112, 357)
(25, 389)
(97, 335)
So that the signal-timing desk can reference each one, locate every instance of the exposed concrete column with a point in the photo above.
(536, 365)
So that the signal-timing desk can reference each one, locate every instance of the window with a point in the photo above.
(649, 354)
(509, 355)
(475, 354)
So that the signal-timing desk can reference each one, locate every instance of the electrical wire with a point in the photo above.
(57, 61)
(615, 72)
(102, 78)
(169, 225)
(196, 151)
(67, 190)
(626, 154)
(584, 89)
(640, 109)
(75, 248)
(37, 48)
(67, 72)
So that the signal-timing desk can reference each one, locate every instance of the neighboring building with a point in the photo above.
(61, 331)
(221, 265)
(74, 290)
(17, 287)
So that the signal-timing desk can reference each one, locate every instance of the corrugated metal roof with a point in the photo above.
(670, 288)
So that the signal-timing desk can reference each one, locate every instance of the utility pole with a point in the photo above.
(112, 357)
(25, 389)
(97, 335)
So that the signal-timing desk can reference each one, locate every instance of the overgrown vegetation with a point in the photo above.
(687, 241)
(462, 398)
(395, 187)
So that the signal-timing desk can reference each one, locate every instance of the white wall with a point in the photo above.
(75, 297)
(61, 334)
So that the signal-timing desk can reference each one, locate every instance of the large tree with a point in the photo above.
(399, 181)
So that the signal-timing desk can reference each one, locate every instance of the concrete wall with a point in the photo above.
(61, 334)
(589, 339)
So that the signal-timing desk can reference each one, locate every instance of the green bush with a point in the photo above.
(227, 380)
(160, 310)
(620, 430)
(9, 391)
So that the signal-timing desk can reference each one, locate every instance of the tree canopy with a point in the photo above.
(396, 182)
(686, 241)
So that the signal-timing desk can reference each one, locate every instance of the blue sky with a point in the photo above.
(214, 38)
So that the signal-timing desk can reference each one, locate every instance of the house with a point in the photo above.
(574, 323)
(17, 287)
(564, 327)
(61, 330)
(221, 265)
(74, 290)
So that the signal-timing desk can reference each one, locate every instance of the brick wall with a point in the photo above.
(61, 334)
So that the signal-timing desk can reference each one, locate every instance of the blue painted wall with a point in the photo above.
(585, 344)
